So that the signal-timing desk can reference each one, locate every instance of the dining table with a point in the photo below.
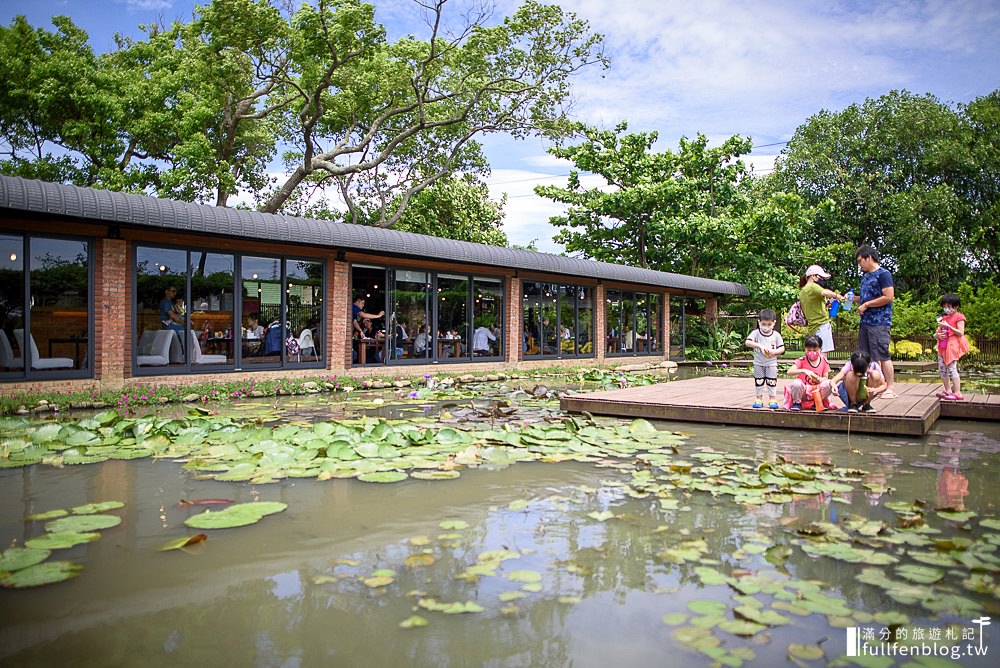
(443, 343)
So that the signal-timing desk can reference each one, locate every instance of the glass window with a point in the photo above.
(12, 357)
(453, 327)
(59, 305)
(410, 315)
(531, 316)
(487, 309)
(585, 321)
(631, 323)
(212, 308)
(558, 320)
(305, 309)
(369, 342)
(260, 289)
(160, 293)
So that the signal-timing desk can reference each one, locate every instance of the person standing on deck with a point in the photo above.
(876, 296)
(812, 297)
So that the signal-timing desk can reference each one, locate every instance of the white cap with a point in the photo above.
(816, 270)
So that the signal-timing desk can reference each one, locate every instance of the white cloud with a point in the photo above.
(146, 5)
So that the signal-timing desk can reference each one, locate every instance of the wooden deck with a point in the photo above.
(719, 400)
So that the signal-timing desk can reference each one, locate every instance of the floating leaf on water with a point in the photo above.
(891, 618)
(16, 558)
(383, 476)
(418, 560)
(524, 576)
(185, 541)
(511, 595)
(460, 608)
(708, 608)
(777, 555)
(533, 587)
(49, 514)
(569, 600)
(517, 504)
(98, 507)
(674, 618)
(990, 523)
(83, 523)
(768, 617)
(42, 574)
(710, 576)
(419, 541)
(453, 525)
(805, 652)
(741, 627)
(601, 516)
(241, 514)
(435, 475)
(205, 502)
(61, 540)
(376, 581)
(960, 516)
(413, 622)
(919, 574)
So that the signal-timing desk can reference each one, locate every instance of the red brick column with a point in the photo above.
(515, 351)
(112, 313)
(711, 309)
(339, 300)
(600, 320)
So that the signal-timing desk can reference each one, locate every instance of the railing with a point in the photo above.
(845, 343)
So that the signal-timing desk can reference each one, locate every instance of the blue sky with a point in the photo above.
(757, 68)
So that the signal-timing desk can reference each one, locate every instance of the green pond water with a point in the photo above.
(569, 563)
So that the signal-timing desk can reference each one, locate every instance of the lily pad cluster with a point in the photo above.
(27, 566)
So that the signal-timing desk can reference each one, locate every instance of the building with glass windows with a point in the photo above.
(104, 288)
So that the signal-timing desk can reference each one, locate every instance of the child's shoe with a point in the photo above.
(954, 397)
(867, 408)
(773, 405)
(852, 409)
(796, 406)
(943, 395)
(758, 404)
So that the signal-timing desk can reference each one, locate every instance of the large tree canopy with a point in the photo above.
(199, 110)
(908, 174)
(695, 211)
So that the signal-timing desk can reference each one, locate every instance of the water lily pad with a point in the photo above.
(453, 525)
(99, 507)
(919, 574)
(675, 618)
(601, 516)
(805, 652)
(184, 541)
(42, 574)
(377, 581)
(741, 627)
(435, 475)
(83, 523)
(524, 576)
(61, 540)
(241, 514)
(511, 595)
(383, 476)
(708, 607)
(413, 622)
(49, 514)
(767, 617)
(16, 558)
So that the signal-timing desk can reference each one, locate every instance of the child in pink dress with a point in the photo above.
(811, 373)
(952, 344)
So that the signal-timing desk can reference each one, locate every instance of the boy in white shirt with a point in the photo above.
(767, 346)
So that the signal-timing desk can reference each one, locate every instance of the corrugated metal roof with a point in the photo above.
(18, 194)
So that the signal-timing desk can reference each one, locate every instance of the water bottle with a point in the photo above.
(834, 308)
(849, 300)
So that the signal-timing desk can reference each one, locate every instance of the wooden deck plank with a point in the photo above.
(725, 400)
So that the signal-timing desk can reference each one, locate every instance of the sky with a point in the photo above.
(758, 68)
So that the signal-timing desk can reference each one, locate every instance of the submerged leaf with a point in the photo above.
(178, 543)
(42, 574)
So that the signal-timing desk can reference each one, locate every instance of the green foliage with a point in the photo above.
(981, 307)
(908, 174)
(456, 207)
(695, 211)
(197, 111)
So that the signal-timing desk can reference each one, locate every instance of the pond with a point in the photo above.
(663, 556)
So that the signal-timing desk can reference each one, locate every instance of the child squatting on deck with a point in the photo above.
(859, 382)
(767, 346)
(811, 388)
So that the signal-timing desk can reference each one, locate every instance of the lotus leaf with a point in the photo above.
(710, 576)
(805, 652)
(376, 581)
(511, 595)
(16, 558)
(42, 574)
(61, 540)
(990, 523)
(768, 617)
(708, 608)
(434, 475)
(83, 523)
(49, 514)
(524, 576)
(420, 559)
(533, 587)
(459, 608)
(185, 541)
(741, 627)
(453, 525)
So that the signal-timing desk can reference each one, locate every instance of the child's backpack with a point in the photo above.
(292, 345)
(796, 316)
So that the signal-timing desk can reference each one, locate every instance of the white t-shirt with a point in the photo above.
(481, 338)
(772, 341)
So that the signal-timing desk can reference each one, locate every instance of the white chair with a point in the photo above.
(39, 362)
(306, 344)
(7, 359)
(197, 357)
(154, 347)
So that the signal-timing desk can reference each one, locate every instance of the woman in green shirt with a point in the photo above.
(813, 298)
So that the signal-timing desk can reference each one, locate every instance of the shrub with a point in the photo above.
(907, 350)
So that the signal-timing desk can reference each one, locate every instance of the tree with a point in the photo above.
(456, 207)
(696, 211)
(198, 110)
(903, 176)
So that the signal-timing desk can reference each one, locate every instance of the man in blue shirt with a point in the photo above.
(877, 293)
(358, 313)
